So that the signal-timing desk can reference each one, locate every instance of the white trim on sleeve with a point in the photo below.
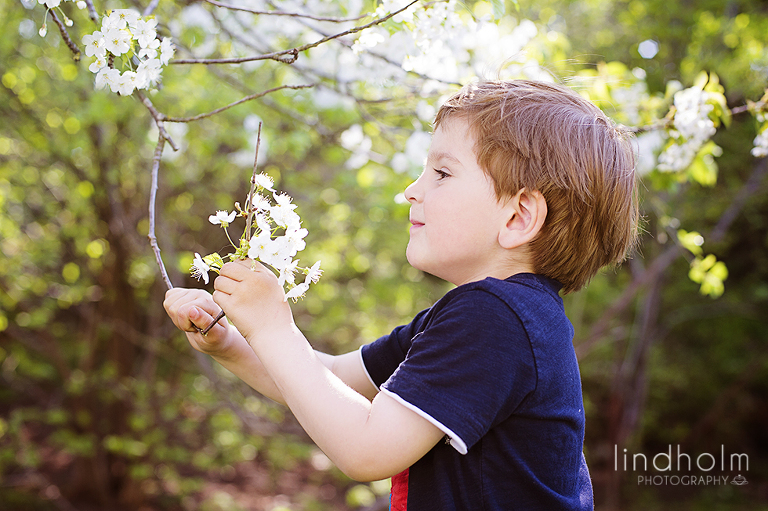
(454, 439)
(365, 369)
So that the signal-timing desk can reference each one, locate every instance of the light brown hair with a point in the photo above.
(546, 137)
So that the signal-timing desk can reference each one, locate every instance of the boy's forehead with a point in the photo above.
(452, 141)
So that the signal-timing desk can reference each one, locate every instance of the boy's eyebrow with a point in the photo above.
(444, 156)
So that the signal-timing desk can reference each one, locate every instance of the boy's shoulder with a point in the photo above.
(532, 298)
(515, 290)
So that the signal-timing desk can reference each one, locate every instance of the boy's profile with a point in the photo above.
(528, 189)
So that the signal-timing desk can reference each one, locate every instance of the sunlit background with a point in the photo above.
(103, 404)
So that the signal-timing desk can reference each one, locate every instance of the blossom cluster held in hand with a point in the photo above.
(125, 34)
(275, 238)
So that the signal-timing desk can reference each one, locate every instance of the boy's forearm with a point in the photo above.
(336, 416)
(246, 365)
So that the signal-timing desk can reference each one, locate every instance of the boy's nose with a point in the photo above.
(412, 192)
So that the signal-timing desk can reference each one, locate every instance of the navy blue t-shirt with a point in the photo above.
(492, 365)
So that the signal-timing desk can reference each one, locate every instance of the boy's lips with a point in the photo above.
(415, 224)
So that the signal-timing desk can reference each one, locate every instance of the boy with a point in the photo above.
(476, 404)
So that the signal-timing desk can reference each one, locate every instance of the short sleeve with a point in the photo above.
(469, 369)
(383, 356)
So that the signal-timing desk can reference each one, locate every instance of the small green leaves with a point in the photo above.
(707, 271)
(710, 273)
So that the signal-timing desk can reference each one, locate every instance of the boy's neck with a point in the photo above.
(501, 272)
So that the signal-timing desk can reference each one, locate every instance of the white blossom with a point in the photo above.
(276, 252)
(50, 3)
(264, 181)
(199, 268)
(117, 41)
(129, 17)
(295, 239)
(693, 128)
(259, 245)
(761, 144)
(166, 50)
(297, 292)
(95, 45)
(107, 77)
(259, 203)
(127, 83)
(145, 32)
(150, 50)
(287, 274)
(148, 73)
(222, 217)
(314, 273)
(98, 64)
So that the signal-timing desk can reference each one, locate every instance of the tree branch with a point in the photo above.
(92, 11)
(248, 222)
(663, 261)
(239, 101)
(282, 13)
(158, 117)
(65, 35)
(751, 187)
(293, 52)
(152, 198)
(150, 8)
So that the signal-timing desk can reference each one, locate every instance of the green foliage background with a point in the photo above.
(103, 405)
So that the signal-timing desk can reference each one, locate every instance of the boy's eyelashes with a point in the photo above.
(441, 174)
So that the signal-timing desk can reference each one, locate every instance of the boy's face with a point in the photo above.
(455, 216)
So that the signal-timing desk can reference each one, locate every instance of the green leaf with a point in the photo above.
(214, 260)
(703, 170)
(701, 80)
(691, 241)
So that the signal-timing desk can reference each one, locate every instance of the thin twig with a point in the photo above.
(65, 35)
(158, 117)
(239, 101)
(150, 8)
(284, 56)
(249, 221)
(92, 11)
(294, 51)
(152, 198)
(282, 13)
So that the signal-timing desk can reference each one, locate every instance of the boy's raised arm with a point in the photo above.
(224, 343)
(368, 440)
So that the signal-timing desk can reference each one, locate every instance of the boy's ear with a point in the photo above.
(527, 212)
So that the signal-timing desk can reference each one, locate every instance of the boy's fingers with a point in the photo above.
(198, 318)
(224, 284)
(235, 270)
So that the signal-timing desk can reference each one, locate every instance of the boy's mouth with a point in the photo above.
(415, 224)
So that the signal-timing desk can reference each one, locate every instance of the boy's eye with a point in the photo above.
(441, 174)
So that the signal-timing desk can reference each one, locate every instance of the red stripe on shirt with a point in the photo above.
(398, 499)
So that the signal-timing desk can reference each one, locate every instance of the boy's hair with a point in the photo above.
(545, 137)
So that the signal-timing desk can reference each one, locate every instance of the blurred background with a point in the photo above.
(103, 404)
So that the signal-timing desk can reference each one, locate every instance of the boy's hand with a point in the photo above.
(189, 308)
(253, 300)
